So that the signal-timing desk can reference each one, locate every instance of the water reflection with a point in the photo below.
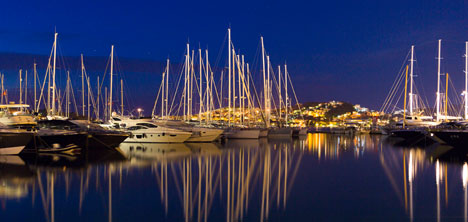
(256, 180)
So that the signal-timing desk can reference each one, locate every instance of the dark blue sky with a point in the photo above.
(343, 50)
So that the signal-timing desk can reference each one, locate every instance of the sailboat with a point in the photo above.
(57, 133)
(413, 128)
(236, 131)
(455, 133)
(416, 118)
(199, 132)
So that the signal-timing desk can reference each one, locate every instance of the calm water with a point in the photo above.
(317, 178)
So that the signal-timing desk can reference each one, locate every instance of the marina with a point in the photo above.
(236, 156)
(234, 111)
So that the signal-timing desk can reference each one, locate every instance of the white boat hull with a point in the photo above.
(280, 133)
(204, 135)
(243, 134)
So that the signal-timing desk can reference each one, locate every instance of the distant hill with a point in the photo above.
(326, 111)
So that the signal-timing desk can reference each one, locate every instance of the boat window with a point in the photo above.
(409, 117)
(136, 128)
(14, 109)
(149, 125)
(116, 119)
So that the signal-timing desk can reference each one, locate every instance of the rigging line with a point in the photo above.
(73, 95)
(90, 92)
(221, 50)
(104, 74)
(181, 69)
(390, 96)
(196, 84)
(256, 96)
(183, 93)
(393, 92)
(454, 91)
(157, 99)
(247, 93)
(216, 91)
(45, 78)
(425, 102)
(398, 100)
(42, 88)
(129, 90)
(393, 85)
(295, 96)
(453, 109)
(104, 103)
(212, 83)
(199, 90)
(275, 83)
(419, 100)
(394, 89)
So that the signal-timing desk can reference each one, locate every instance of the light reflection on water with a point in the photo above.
(318, 177)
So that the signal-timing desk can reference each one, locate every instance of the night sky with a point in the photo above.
(341, 50)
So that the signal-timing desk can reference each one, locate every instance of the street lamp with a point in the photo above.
(139, 112)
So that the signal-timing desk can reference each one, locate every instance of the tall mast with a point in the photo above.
(191, 74)
(286, 105)
(82, 84)
(438, 84)
(98, 98)
(446, 95)
(67, 96)
(121, 98)
(89, 95)
(68, 93)
(411, 82)
(404, 101)
(211, 95)
(110, 86)
(48, 87)
(26, 88)
(53, 74)
(243, 89)
(208, 111)
(167, 88)
(201, 86)
(279, 91)
(251, 106)
(466, 80)
(163, 81)
(106, 113)
(229, 75)
(35, 98)
(187, 82)
(265, 86)
(233, 72)
(268, 110)
(239, 87)
(21, 87)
